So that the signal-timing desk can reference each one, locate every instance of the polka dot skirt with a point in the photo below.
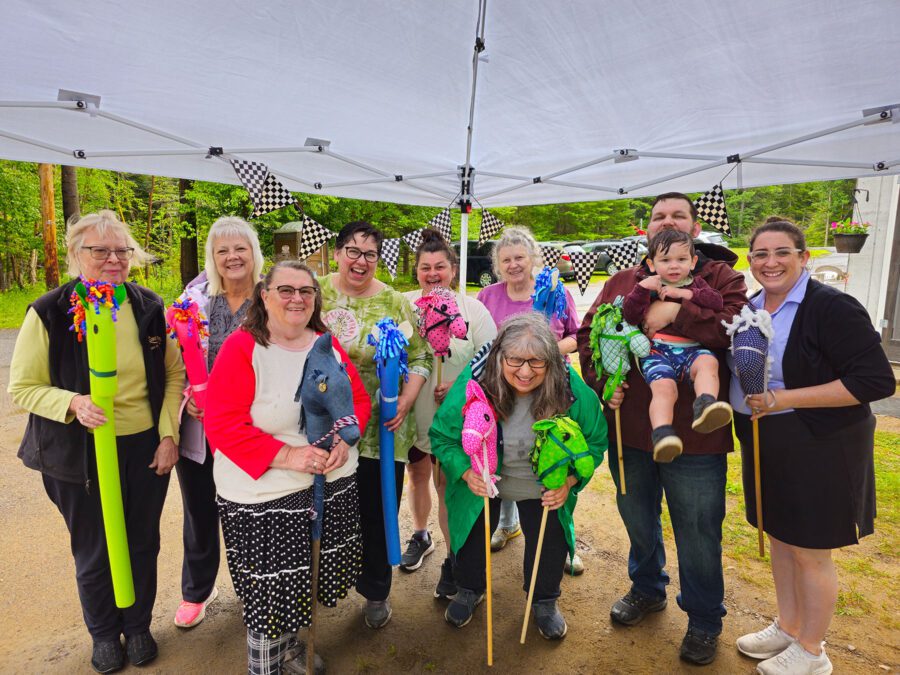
(270, 555)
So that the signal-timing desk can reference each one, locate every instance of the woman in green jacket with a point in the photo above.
(526, 380)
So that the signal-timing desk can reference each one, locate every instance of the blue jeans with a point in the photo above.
(695, 493)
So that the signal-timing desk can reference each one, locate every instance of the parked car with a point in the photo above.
(604, 262)
(716, 238)
(479, 264)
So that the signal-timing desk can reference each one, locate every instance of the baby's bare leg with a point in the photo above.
(705, 375)
(662, 405)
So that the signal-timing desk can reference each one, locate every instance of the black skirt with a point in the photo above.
(816, 492)
(269, 555)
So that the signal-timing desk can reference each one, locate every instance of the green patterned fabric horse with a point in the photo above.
(612, 340)
(559, 445)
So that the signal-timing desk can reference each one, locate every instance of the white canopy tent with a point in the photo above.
(573, 101)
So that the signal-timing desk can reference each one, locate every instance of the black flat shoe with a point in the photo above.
(141, 648)
(699, 647)
(107, 656)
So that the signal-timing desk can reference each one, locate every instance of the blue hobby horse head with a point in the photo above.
(327, 397)
(549, 296)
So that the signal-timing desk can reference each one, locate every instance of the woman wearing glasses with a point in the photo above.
(234, 263)
(49, 378)
(526, 380)
(264, 468)
(353, 302)
(816, 443)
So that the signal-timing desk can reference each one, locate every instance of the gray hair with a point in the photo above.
(528, 333)
(517, 236)
(230, 226)
(103, 223)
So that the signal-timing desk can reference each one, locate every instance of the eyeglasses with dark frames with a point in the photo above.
(286, 292)
(516, 362)
(102, 252)
(355, 253)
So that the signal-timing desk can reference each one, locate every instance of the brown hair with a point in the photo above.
(433, 242)
(527, 331)
(676, 195)
(257, 320)
(664, 240)
(783, 225)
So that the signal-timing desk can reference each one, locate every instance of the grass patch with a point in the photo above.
(852, 603)
(13, 304)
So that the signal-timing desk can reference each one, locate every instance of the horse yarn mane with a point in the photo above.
(549, 297)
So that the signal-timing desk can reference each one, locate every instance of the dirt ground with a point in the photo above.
(42, 628)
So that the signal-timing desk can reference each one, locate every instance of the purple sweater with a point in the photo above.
(501, 307)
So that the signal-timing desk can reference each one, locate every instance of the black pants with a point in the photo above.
(375, 581)
(201, 528)
(143, 494)
(469, 565)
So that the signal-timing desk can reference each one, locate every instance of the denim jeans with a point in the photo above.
(694, 486)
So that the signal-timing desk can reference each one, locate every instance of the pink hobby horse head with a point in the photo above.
(439, 319)
(479, 435)
(188, 327)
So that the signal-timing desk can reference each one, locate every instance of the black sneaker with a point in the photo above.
(107, 656)
(446, 586)
(550, 622)
(666, 444)
(141, 648)
(699, 647)
(631, 609)
(416, 550)
(460, 611)
(710, 414)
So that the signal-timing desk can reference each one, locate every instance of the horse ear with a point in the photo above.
(540, 425)
(423, 302)
(323, 343)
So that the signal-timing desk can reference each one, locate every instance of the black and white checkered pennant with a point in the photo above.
(251, 174)
(583, 265)
(551, 255)
(441, 223)
(624, 255)
(414, 239)
(390, 252)
(312, 236)
(711, 210)
(490, 226)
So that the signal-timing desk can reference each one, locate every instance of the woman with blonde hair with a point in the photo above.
(49, 377)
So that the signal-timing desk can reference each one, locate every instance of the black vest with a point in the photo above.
(60, 450)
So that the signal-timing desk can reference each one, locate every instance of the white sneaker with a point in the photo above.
(765, 644)
(796, 661)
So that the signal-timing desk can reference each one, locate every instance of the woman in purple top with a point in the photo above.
(516, 256)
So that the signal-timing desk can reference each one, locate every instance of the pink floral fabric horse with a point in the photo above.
(479, 435)
(439, 319)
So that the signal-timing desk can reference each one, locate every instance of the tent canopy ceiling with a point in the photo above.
(388, 85)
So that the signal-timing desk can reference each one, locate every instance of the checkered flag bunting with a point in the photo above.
(624, 255)
(312, 236)
(551, 255)
(441, 223)
(583, 265)
(414, 239)
(490, 226)
(251, 174)
(711, 210)
(390, 253)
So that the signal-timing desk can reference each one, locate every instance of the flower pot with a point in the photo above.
(849, 243)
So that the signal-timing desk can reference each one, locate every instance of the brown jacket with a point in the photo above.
(703, 325)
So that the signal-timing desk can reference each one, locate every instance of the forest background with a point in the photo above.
(170, 218)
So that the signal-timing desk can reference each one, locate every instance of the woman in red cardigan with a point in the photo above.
(264, 467)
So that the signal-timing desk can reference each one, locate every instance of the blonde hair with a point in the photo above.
(230, 226)
(517, 236)
(103, 223)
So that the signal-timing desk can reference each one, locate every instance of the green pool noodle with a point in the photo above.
(101, 348)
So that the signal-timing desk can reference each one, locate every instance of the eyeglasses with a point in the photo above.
(102, 253)
(516, 362)
(286, 292)
(354, 254)
(762, 255)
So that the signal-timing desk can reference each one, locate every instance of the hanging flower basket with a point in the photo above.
(850, 243)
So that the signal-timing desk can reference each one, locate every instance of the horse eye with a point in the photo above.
(618, 326)
(487, 418)
(444, 307)
(567, 436)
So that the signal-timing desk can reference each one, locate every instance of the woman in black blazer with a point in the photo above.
(816, 443)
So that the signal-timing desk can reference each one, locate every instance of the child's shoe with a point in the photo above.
(710, 414)
(666, 444)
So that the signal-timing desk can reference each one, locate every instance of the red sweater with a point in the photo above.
(693, 321)
(231, 392)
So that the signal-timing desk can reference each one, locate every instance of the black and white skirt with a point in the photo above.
(270, 555)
